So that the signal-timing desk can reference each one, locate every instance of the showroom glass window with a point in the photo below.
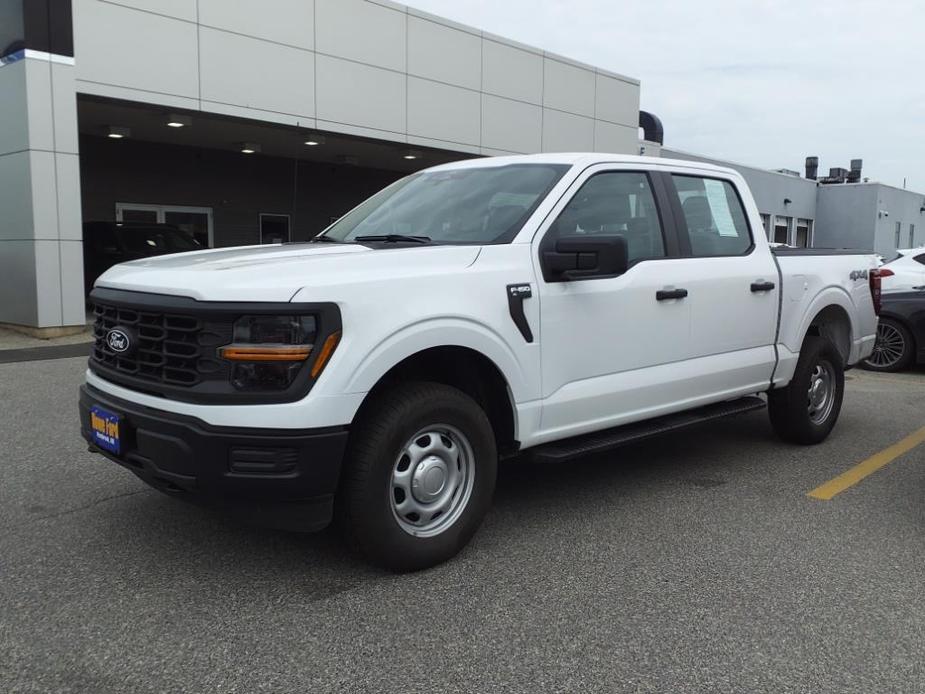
(716, 222)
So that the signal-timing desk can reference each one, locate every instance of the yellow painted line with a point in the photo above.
(851, 477)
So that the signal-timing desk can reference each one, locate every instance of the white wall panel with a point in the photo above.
(442, 112)
(121, 46)
(15, 196)
(609, 137)
(257, 74)
(617, 101)
(181, 9)
(360, 95)
(512, 72)
(565, 132)
(568, 88)
(285, 21)
(362, 31)
(511, 125)
(14, 135)
(441, 53)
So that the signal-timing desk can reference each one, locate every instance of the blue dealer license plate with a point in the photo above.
(105, 429)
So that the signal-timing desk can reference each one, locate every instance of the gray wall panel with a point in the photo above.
(356, 94)
(257, 74)
(440, 53)
(566, 132)
(511, 125)
(568, 88)
(362, 31)
(17, 282)
(16, 195)
(122, 46)
(512, 72)
(285, 21)
(14, 135)
(442, 112)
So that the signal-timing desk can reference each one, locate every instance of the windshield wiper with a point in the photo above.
(393, 238)
(323, 239)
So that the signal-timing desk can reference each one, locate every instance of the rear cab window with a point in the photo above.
(714, 217)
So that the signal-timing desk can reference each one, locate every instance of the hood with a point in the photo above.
(276, 273)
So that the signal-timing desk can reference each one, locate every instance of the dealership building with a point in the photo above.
(249, 121)
(262, 121)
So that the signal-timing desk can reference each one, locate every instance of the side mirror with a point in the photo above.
(581, 256)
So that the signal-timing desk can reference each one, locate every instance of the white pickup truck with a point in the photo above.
(547, 305)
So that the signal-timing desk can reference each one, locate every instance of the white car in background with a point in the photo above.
(904, 272)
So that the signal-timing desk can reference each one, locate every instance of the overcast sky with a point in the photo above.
(760, 82)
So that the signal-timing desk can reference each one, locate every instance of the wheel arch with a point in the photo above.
(463, 368)
(833, 322)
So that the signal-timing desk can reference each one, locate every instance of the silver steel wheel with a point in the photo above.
(889, 347)
(432, 480)
(821, 394)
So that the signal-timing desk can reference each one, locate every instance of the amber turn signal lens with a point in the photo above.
(327, 349)
(265, 352)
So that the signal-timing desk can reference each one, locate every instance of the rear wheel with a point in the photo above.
(894, 348)
(806, 410)
(420, 476)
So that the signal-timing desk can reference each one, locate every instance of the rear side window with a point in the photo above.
(920, 258)
(715, 218)
(614, 203)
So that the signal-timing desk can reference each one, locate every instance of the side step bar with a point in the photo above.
(598, 441)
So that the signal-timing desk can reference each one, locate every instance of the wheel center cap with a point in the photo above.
(429, 479)
(818, 392)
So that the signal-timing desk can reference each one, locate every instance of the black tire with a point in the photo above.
(895, 348)
(365, 508)
(789, 407)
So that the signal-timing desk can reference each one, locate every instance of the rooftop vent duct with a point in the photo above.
(651, 127)
(855, 174)
(812, 168)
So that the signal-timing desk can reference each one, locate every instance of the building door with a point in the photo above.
(195, 221)
(274, 228)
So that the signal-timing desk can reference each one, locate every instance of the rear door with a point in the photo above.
(732, 283)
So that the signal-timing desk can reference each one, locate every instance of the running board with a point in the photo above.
(598, 441)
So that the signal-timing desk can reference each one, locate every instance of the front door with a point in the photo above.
(612, 352)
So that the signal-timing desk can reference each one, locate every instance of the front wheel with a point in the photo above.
(421, 470)
(806, 410)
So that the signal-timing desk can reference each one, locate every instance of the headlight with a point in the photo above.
(269, 351)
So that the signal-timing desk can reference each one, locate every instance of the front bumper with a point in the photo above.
(278, 478)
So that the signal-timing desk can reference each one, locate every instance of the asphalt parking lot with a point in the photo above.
(696, 563)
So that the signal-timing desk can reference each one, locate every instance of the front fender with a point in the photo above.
(440, 332)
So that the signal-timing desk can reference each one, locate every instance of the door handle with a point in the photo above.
(762, 286)
(666, 294)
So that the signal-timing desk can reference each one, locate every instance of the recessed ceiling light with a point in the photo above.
(411, 154)
(248, 147)
(314, 139)
(175, 120)
(117, 132)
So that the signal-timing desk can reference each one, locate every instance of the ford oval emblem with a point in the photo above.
(118, 340)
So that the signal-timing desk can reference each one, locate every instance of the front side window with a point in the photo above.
(460, 206)
(715, 218)
(614, 203)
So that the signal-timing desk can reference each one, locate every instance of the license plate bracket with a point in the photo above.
(106, 429)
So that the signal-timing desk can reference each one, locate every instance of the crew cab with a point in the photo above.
(543, 306)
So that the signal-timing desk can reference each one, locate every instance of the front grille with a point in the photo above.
(172, 349)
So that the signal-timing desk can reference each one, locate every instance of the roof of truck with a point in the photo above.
(582, 159)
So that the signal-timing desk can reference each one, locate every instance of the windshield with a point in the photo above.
(462, 206)
(157, 240)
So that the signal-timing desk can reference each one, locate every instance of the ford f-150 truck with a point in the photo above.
(544, 306)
